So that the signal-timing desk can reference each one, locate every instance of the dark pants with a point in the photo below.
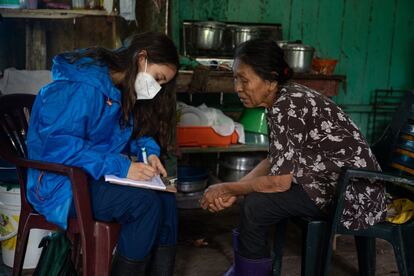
(148, 218)
(261, 210)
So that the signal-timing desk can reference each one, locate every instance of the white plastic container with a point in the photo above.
(10, 206)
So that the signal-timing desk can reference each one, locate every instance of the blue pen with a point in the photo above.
(144, 155)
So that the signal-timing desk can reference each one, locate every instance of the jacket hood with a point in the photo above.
(83, 70)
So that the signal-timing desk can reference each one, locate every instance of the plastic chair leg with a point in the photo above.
(365, 247)
(399, 251)
(407, 234)
(21, 245)
(315, 244)
(279, 242)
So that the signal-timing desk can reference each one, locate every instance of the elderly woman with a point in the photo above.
(311, 139)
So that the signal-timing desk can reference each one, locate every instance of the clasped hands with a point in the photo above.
(217, 197)
(142, 171)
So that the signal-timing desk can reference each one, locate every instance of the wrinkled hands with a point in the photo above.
(217, 197)
(142, 171)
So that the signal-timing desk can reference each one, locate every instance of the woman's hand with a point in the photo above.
(221, 204)
(155, 163)
(213, 193)
(141, 171)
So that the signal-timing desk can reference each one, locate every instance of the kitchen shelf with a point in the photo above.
(222, 82)
(230, 148)
(36, 22)
(52, 13)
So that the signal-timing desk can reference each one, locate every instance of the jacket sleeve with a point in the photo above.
(146, 142)
(62, 124)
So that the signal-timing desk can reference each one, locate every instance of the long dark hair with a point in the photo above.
(266, 59)
(154, 117)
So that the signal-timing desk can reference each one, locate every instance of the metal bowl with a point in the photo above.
(191, 179)
(192, 186)
(234, 166)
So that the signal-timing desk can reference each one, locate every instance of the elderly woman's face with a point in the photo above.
(253, 91)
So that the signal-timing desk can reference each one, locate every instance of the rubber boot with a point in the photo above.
(163, 261)
(122, 266)
(249, 267)
(235, 244)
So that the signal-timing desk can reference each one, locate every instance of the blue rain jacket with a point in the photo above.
(75, 121)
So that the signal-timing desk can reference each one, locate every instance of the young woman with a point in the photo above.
(103, 106)
(310, 140)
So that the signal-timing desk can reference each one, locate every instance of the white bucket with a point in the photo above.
(9, 219)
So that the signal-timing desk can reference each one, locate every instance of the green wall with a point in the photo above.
(372, 39)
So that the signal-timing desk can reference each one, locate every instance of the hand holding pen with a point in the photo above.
(150, 167)
(154, 162)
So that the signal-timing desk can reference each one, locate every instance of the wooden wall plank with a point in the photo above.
(402, 61)
(328, 32)
(379, 46)
(311, 12)
(353, 49)
(296, 24)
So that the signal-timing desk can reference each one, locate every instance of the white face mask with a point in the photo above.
(146, 86)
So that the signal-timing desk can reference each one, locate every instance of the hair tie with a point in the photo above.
(286, 71)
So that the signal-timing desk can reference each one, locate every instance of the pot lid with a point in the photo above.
(297, 47)
(210, 24)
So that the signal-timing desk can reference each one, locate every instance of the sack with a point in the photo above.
(55, 258)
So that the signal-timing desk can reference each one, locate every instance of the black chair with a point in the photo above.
(395, 152)
(96, 239)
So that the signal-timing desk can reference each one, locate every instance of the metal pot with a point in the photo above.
(234, 166)
(299, 57)
(192, 186)
(209, 35)
(191, 179)
(244, 33)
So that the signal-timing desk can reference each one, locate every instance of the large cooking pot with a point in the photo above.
(233, 166)
(209, 35)
(299, 57)
(244, 33)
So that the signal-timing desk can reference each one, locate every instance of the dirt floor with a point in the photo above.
(205, 247)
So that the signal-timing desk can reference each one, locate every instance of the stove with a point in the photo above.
(220, 63)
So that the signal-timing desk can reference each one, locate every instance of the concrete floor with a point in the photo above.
(214, 257)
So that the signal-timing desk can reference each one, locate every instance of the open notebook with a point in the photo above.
(155, 183)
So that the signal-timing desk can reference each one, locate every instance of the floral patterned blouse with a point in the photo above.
(312, 138)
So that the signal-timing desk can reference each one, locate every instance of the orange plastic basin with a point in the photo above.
(203, 137)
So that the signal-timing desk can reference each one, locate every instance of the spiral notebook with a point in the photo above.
(155, 183)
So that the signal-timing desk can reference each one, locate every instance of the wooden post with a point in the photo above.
(35, 46)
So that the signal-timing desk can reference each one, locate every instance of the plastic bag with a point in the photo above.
(55, 258)
(400, 211)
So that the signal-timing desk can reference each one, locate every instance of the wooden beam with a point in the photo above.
(35, 46)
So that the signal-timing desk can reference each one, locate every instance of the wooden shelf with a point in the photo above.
(222, 82)
(51, 13)
(231, 148)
